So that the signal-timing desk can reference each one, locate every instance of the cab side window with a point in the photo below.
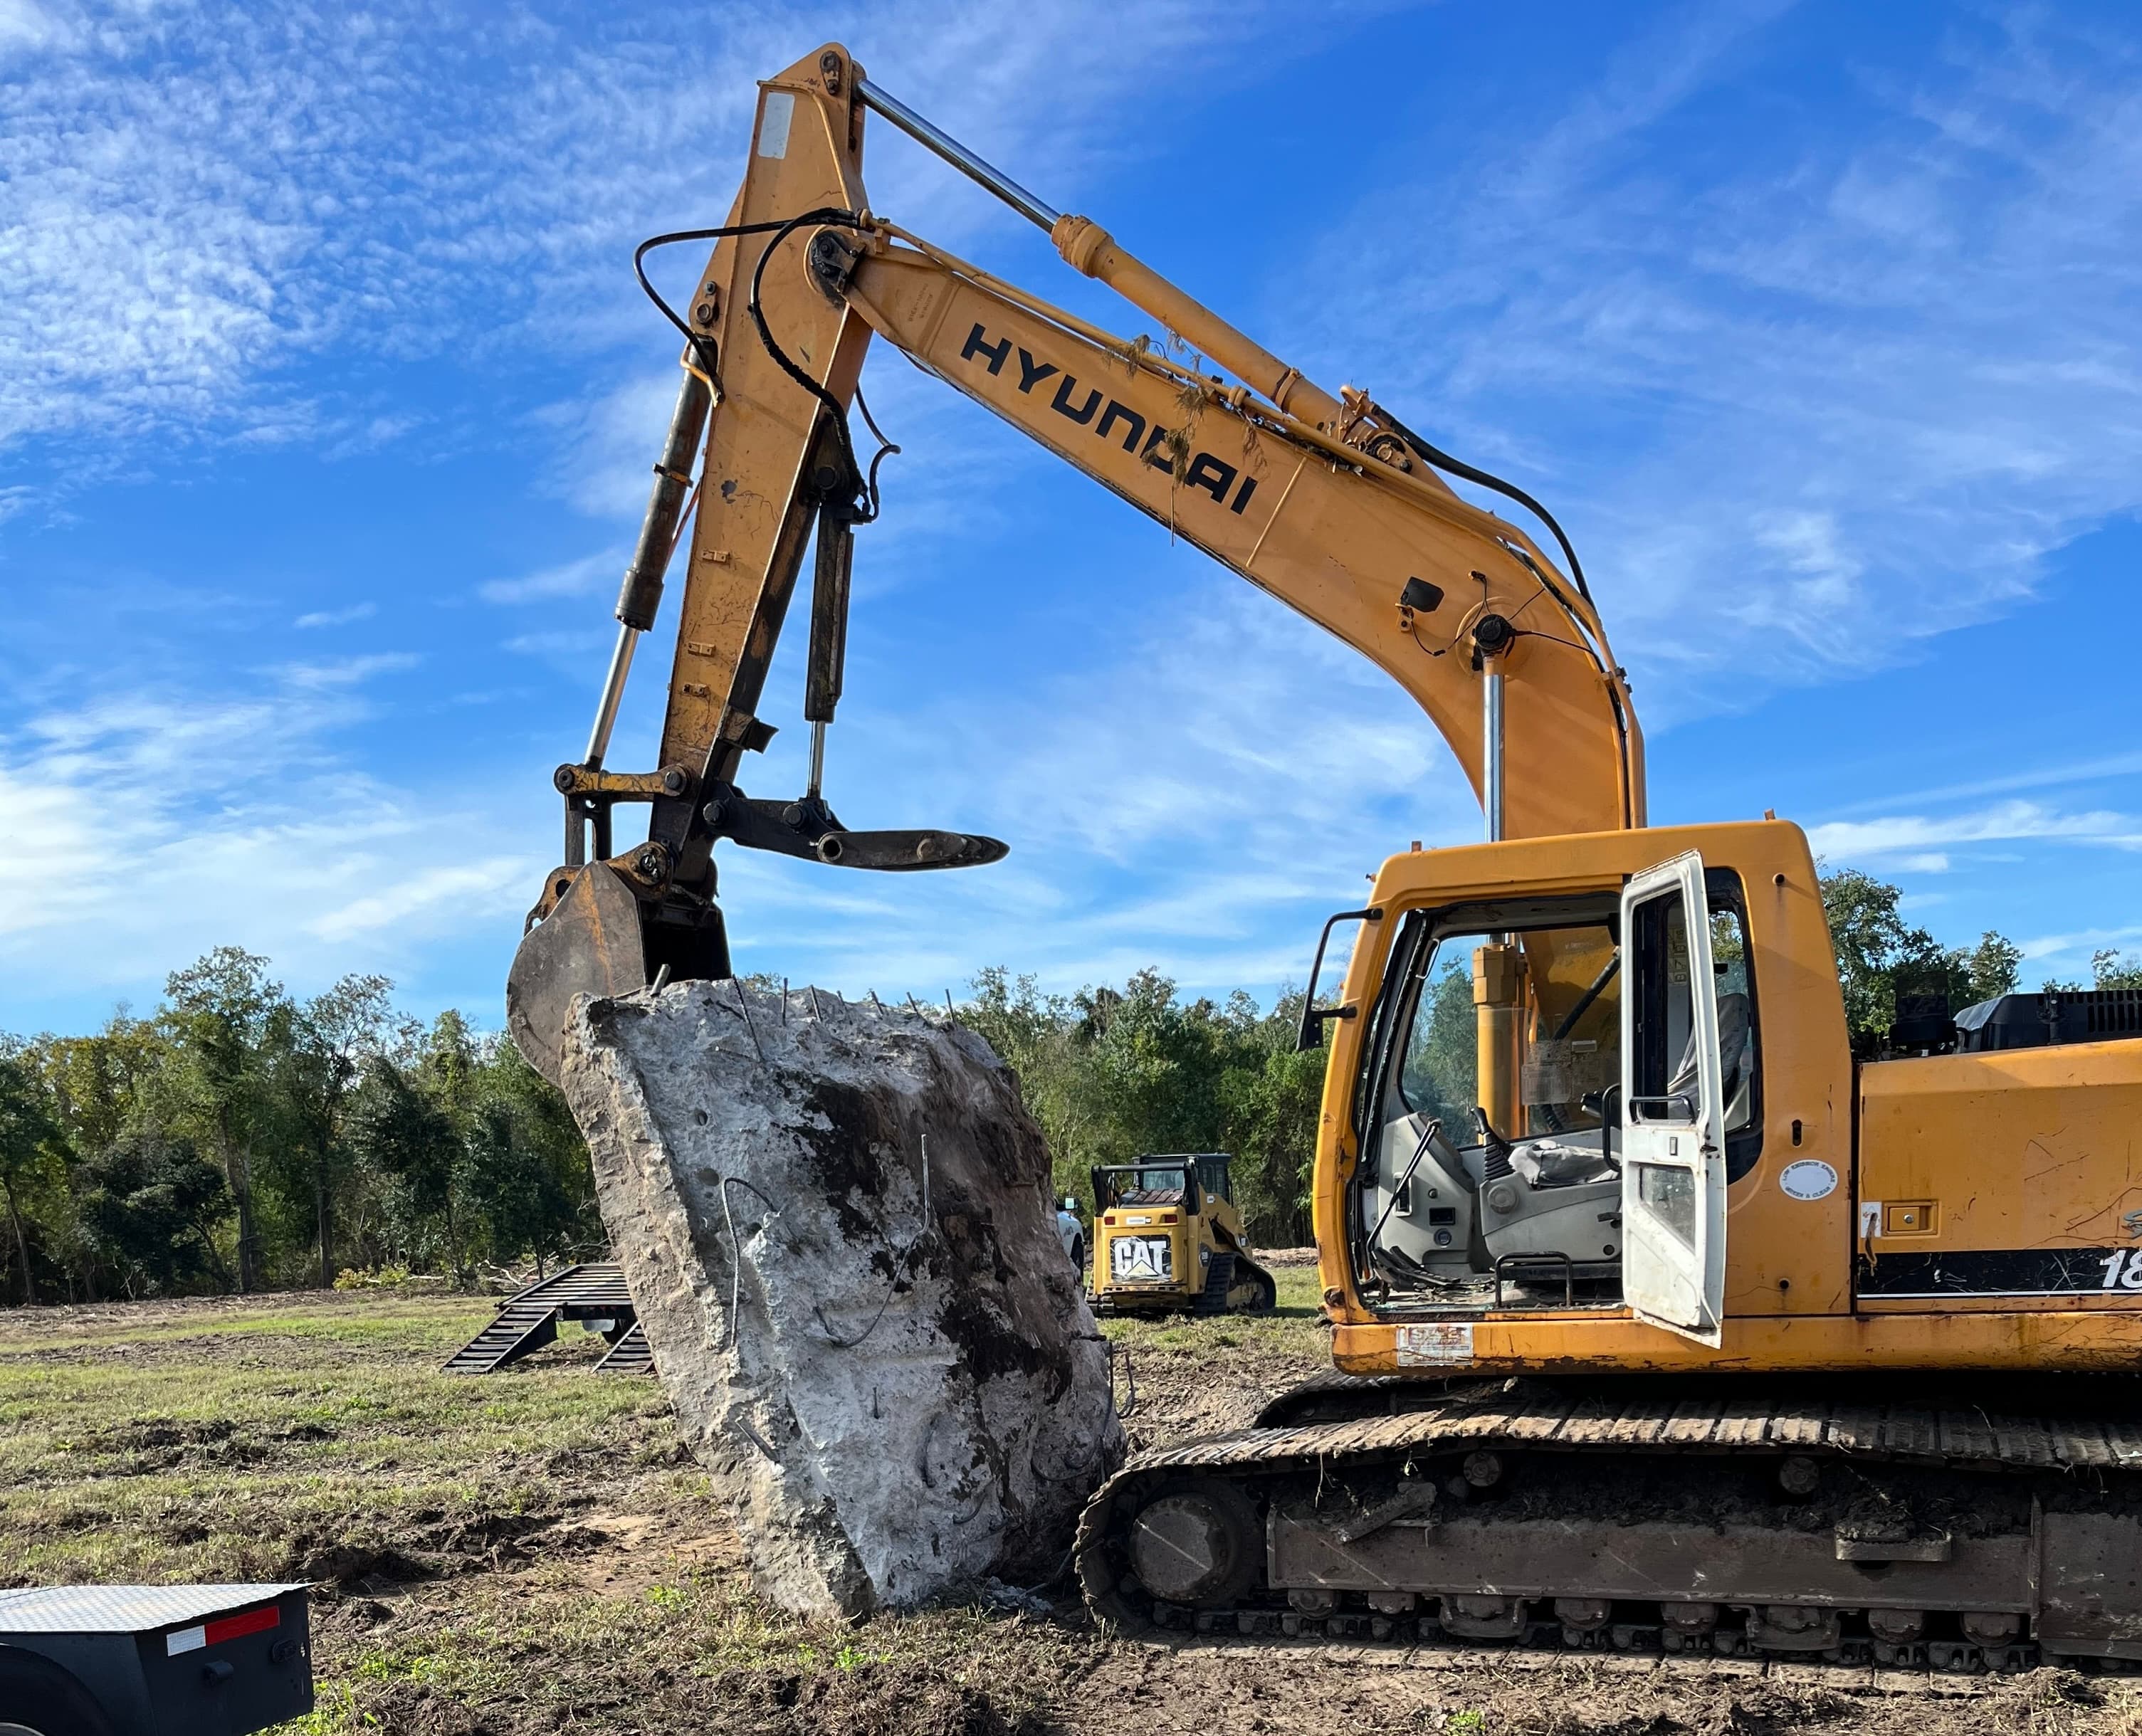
(1664, 1059)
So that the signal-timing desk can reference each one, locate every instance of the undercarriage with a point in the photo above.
(1903, 1527)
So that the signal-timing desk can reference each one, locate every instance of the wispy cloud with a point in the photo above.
(2080, 943)
(579, 578)
(337, 617)
(178, 226)
(1856, 382)
(2105, 768)
(164, 825)
(348, 672)
(1906, 837)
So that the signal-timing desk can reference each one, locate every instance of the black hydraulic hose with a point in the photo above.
(703, 344)
(829, 214)
(704, 347)
(1584, 1001)
(1458, 466)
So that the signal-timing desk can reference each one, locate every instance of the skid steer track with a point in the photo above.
(1686, 1517)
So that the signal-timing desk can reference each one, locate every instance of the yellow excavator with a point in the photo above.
(1660, 1322)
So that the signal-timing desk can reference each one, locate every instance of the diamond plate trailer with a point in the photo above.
(153, 1660)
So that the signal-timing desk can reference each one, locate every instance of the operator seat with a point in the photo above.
(1735, 1027)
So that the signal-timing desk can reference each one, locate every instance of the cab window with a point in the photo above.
(1664, 1064)
(1562, 983)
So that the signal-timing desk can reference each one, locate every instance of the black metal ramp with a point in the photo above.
(631, 1355)
(593, 1292)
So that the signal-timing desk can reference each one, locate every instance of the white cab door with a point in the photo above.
(1673, 1180)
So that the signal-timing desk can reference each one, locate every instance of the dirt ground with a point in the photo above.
(533, 1552)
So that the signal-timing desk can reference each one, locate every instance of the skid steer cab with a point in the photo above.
(1167, 1236)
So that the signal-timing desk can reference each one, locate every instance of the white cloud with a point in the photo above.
(24, 25)
(337, 617)
(2081, 943)
(1803, 403)
(578, 578)
(1907, 836)
(347, 672)
(178, 227)
(147, 829)
(481, 886)
(2039, 777)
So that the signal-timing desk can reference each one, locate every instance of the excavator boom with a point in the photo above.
(1328, 503)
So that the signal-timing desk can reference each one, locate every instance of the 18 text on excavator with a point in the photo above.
(1781, 1352)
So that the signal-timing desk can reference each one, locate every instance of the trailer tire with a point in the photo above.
(42, 1699)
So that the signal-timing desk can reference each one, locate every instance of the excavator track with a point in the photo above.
(1859, 1525)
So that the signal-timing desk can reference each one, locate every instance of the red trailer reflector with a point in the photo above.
(222, 1628)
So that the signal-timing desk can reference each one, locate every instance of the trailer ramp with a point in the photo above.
(593, 1293)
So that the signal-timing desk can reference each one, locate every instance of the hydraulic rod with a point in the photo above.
(936, 138)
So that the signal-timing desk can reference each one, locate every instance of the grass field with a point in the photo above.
(533, 1551)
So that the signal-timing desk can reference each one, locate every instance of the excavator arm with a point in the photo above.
(1330, 505)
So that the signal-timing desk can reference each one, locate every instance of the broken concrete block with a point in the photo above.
(888, 1365)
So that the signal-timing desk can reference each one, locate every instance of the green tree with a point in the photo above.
(313, 1050)
(105, 1083)
(2109, 969)
(449, 1064)
(1991, 968)
(1879, 957)
(30, 1146)
(546, 1198)
(1111, 1074)
(1445, 1057)
(218, 1013)
(151, 1205)
(525, 1204)
(1032, 1033)
(1158, 1062)
(403, 1131)
(1272, 1097)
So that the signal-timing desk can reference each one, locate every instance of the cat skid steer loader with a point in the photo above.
(1168, 1236)
(1661, 1321)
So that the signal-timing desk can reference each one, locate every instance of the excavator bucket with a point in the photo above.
(590, 943)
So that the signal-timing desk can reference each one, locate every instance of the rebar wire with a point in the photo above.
(750, 1028)
(736, 1250)
(901, 1263)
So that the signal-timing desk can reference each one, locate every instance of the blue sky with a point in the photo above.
(327, 401)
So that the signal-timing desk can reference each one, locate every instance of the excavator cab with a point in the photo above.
(1553, 1094)
(1167, 1235)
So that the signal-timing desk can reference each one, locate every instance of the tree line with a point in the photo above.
(240, 1138)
